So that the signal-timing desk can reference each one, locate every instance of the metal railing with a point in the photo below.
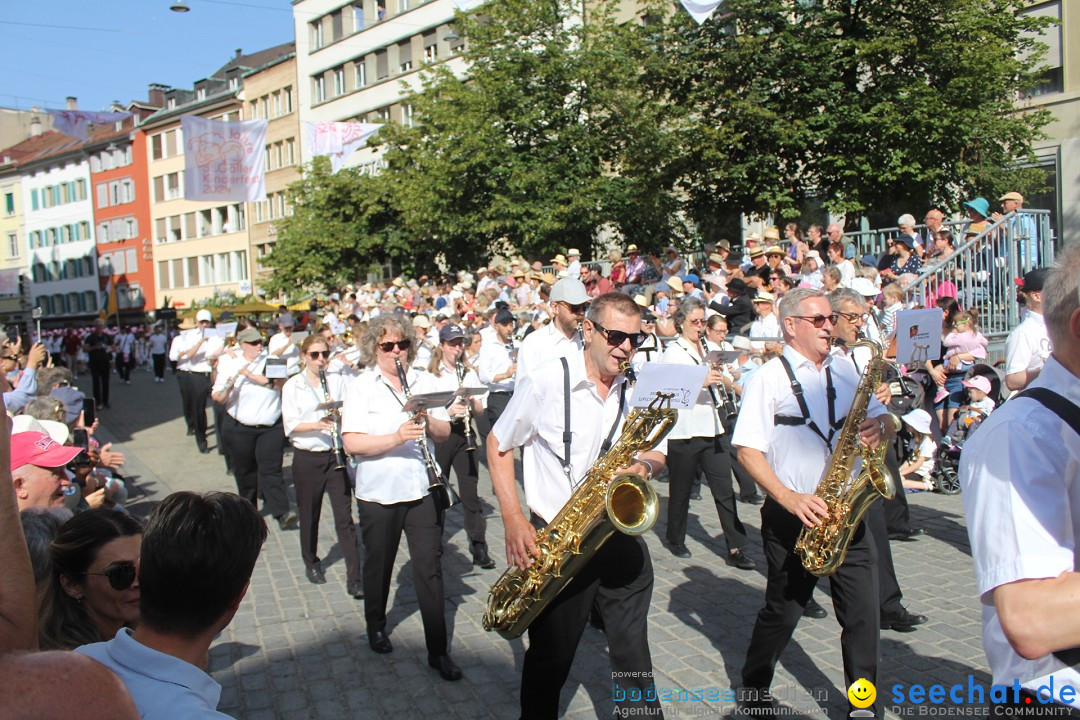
(981, 272)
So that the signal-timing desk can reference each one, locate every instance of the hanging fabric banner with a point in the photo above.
(467, 5)
(338, 140)
(76, 123)
(224, 160)
(701, 10)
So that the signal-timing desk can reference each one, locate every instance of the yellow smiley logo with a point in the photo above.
(862, 693)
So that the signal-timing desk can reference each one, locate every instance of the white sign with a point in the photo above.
(244, 287)
(682, 383)
(918, 336)
(224, 160)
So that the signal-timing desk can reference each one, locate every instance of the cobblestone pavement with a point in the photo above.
(297, 650)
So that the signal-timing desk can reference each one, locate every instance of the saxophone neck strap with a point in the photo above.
(797, 391)
(568, 436)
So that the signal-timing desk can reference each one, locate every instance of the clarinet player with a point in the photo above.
(459, 450)
(393, 488)
(318, 468)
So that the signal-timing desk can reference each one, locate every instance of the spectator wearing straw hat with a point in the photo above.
(1023, 228)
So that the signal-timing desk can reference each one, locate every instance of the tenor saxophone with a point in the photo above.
(603, 503)
(824, 547)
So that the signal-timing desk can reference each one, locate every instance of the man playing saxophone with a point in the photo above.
(558, 455)
(793, 412)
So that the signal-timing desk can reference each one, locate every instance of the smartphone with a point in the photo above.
(88, 412)
(80, 439)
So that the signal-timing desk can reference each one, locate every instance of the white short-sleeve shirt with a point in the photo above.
(1028, 345)
(299, 404)
(249, 402)
(539, 346)
(1020, 474)
(701, 420)
(200, 361)
(291, 356)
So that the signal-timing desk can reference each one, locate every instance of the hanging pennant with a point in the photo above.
(338, 140)
(76, 123)
(224, 160)
(701, 10)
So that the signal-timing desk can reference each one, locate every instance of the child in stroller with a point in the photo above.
(984, 394)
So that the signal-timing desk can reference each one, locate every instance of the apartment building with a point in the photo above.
(200, 249)
(13, 257)
(270, 94)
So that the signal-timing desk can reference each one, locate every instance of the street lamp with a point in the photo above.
(179, 6)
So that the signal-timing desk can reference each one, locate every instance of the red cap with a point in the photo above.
(35, 448)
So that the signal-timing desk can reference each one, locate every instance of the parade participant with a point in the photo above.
(317, 468)
(651, 349)
(193, 351)
(560, 337)
(497, 364)
(459, 450)
(158, 347)
(1029, 344)
(393, 484)
(620, 575)
(98, 346)
(808, 386)
(252, 429)
(281, 345)
(698, 444)
(1021, 492)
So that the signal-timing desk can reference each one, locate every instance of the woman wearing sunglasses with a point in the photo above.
(392, 482)
(94, 589)
(315, 468)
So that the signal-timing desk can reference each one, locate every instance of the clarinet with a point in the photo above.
(470, 439)
(335, 434)
(723, 402)
(442, 489)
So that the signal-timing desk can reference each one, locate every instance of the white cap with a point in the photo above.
(204, 316)
(569, 290)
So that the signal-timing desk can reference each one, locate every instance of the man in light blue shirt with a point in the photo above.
(190, 591)
(16, 399)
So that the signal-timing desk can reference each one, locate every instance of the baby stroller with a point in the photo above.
(947, 457)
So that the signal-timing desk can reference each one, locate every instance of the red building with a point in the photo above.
(120, 191)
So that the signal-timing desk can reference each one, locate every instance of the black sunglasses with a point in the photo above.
(254, 342)
(577, 309)
(615, 338)
(818, 320)
(120, 575)
(850, 317)
(401, 345)
(316, 354)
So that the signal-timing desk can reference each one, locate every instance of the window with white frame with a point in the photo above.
(316, 34)
(407, 115)
(339, 81)
(360, 73)
(13, 244)
(318, 89)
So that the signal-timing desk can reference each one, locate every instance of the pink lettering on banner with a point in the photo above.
(224, 160)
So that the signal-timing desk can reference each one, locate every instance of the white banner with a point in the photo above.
(76, 123)
(467, 5)
(338, 140)
(224, 160)
(701, 10)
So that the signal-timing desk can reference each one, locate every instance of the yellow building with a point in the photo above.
(14, 259)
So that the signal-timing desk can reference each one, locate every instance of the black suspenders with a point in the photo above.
(797, 390)
(567, 436)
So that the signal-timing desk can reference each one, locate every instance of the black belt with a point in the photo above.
(310, 452)
(260, 427)
(196, 372)
(500, 392)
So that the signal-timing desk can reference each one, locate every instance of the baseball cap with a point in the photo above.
(978, 382)
(421, 321)
(204, 316)
(504, 316)
(450, 332)
(37, 448)
(570, 291)
(692, 279)
(249, 335)
(1033, 281)
(868, 260)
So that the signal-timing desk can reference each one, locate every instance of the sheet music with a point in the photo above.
(682, 382)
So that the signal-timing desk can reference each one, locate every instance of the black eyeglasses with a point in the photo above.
(389, 346)
(818, 320)
(120, 575)
(316, 354)
(615, 338)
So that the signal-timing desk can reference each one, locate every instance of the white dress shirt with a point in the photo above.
(1028, 345)
(200, 361)
(299, 403)
(1020, 474)
(290, 356)
(534, 420)
(495, 358)
(373, 407)
(795, 452)
(702, 420)
(542, 345)
(249, 403)
(764, 327)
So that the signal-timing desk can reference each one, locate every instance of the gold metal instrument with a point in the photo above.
(335, 432)
(824, 547)
(604, 502)
(437, 484)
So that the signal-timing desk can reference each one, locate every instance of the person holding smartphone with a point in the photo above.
(24, 386)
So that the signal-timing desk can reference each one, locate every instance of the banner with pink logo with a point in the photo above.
(701, 11)
(76, 123)
(224, 160)
(338, 140)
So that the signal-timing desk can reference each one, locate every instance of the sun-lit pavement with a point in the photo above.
(297, 650)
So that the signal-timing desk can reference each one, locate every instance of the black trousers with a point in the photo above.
(897, 514)
(194, 392)
(888, 586)
(381, 527)
(256, 454)
(452, 453)
(219, 422)
(124, 367)
(496, 404)
(711, 456)
(314, 475)
(619, 579)
(159, 365)
(854, 592)
(99, 374)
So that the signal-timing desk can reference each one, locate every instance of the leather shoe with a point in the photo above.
(902, 621)
(446, 667)
(288, 521)
(679, 550)
(695, 496)
(483, 561)
(355, 589)
(754, 499)
(814, 610)
(906, 535)
(315, 575)
(380, 642)
(740, 560)
(190, 431)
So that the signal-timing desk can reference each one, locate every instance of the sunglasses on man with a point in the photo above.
(615, 338)
(120, 575)
(818, 321)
